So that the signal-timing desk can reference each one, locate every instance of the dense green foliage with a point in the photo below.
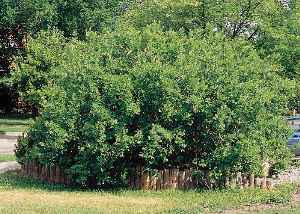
(157, 98)
(186, 83)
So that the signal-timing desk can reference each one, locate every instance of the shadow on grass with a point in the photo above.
(4, 128)
(14, 180)
(14, 123)
(15, 120)
(8, 122)
(16, 116)
(4, 132)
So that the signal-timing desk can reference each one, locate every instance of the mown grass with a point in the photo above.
(23, 195)
(14, 123)
(7, 157)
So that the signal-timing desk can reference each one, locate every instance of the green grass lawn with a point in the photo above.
(23, 195)
(10, 123)
(4, 158)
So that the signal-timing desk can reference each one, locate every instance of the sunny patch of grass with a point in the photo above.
(10, 128)
(14, 123)
(7, 157)
(24, 195)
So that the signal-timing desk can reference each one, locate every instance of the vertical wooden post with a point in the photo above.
(154, 180)
(188, 178)
(62, 176)
(44, 173)
(52, 174)
(145, 180)
(251, 180)
(26, 168)
(67, 180)
(239, 180)
(257, 182)
(130, 175)
(57, 174)
(175, 178)
(160, 183)
(22, 169)
(35, 169)
(181, 179)
(138, 178)
(166, 178)
(32, 169)
(29, 168)
(140, 173)
(233, 181)
(264, 182)
(227, 182)
(269, 184)
(135, 178)
(171, 175)
(39, 171)
(245, 181)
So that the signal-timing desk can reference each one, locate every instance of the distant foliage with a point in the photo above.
(153, 97)
(20, 19)
(73, 18)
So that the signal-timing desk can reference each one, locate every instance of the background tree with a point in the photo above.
(22, 18)
(282, 46)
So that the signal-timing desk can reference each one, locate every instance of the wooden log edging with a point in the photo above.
(184, 179)
(49, 174)
(141, 179)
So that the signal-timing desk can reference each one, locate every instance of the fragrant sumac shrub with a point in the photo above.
(158, 99)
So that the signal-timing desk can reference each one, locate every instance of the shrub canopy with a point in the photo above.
(153, 97)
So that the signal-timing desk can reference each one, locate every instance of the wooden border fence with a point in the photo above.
(139, 178)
